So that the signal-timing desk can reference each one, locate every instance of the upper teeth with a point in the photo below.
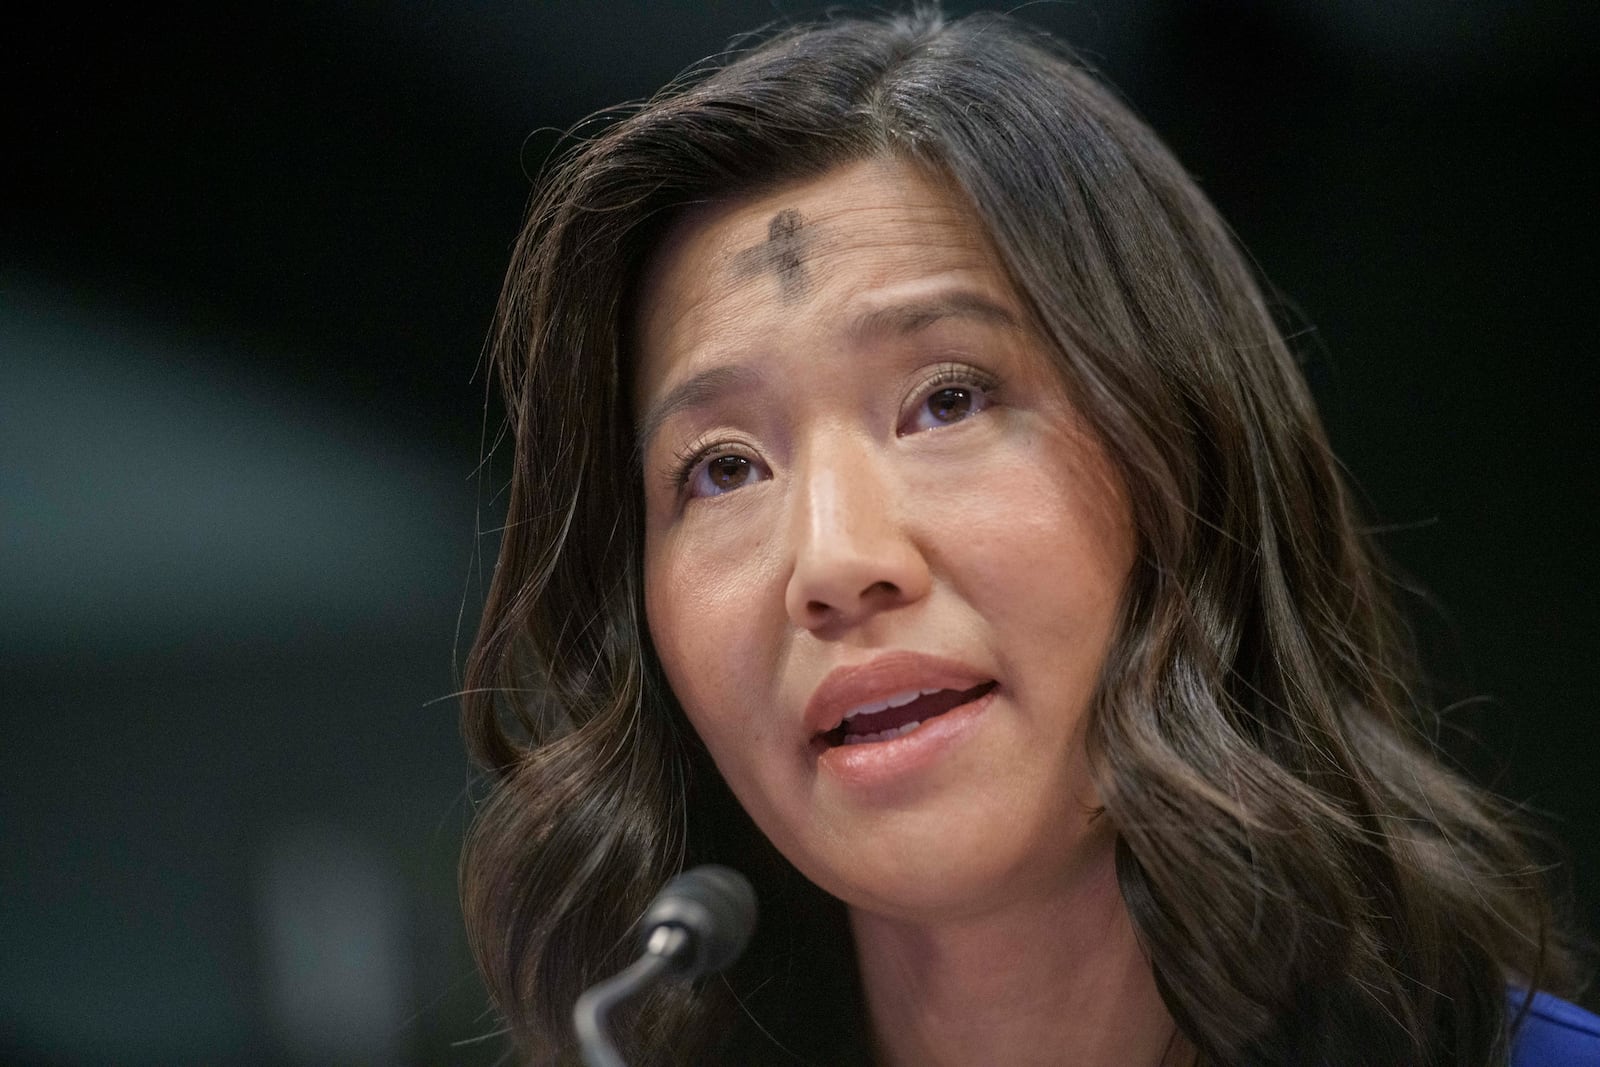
(896, 701)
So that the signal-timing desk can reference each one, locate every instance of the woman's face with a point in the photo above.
(883, 555)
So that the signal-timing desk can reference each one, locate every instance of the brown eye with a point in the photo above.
(948, 402)
(950, 405)
(723, 474)
(728, 472)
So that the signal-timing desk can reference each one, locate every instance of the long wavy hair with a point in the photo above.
(1310, 883)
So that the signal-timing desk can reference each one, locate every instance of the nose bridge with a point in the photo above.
(838, 478)
(852, 550)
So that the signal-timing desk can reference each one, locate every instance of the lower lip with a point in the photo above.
(874, 763)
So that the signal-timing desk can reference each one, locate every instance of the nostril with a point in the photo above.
(837, 580)
(880, 590)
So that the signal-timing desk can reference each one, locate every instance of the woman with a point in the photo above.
(915, 507)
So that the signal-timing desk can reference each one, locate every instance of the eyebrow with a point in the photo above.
(694, 392)
(907, 318)
(896, 320)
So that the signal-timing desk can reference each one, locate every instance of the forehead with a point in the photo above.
(802, 250)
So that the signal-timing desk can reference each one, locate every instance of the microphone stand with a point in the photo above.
(590, 1013)
(697, 925)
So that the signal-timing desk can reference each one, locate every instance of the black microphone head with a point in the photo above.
(715, 906)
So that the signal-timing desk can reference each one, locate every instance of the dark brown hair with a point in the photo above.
(1311, 885)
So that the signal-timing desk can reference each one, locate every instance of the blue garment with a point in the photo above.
(1554, 1034)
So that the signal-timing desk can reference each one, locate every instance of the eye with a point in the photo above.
(710, 472)
(952, 395)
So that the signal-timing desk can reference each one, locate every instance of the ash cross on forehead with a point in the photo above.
(783, 253)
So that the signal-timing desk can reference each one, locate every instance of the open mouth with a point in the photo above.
(866, 727)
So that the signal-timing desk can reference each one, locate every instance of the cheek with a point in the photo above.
(1050, 505)
(1048, 549)
(704, 606)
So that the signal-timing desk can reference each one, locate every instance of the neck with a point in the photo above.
(1043, 981)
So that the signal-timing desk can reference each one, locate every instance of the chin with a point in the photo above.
(941, 876)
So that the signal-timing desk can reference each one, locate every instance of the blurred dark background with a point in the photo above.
(248, 256)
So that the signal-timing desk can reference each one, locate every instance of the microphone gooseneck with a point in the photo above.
(697, 925)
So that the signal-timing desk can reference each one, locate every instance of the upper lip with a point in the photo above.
(849, 687)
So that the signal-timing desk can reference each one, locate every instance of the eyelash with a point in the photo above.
(686, 461)
(692, 458)
(949, 374)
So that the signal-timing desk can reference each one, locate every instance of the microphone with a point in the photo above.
(697, 925)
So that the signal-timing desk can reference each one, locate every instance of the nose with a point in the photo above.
(854, 555)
